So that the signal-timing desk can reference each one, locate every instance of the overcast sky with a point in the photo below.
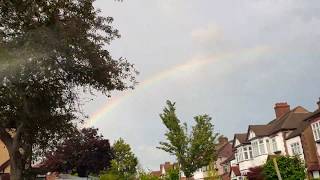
(230, 59)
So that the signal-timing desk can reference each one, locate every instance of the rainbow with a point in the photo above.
(176, 70)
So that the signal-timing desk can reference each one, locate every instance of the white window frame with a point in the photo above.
(268, 146)
(316, 130)
(274, 144)
(240, 154)
(255, 148)
(295, 148)
(250, 152)
(262, 148)
(245, 153)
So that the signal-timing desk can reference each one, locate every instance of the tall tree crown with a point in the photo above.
(193, 150)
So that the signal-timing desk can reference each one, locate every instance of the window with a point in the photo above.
(261, 147)
(236, 156)
(295, 147)
(316, 130)
(268, 146)
(250, 152)
(245, 153)
(255, 149)
(274, 144)
(240, 154)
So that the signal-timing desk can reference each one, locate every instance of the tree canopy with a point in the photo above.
(290, 168)
(193, 150)
(124, 164)
(49, 52)
(85, 152)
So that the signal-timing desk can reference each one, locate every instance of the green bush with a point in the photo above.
(291, 168)
(146, 176)
(109, 176)
(172, 174)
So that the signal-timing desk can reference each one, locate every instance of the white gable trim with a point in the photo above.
(237, 143)
(251, 134)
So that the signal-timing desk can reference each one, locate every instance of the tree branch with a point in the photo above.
(17, 136)
(5, 137)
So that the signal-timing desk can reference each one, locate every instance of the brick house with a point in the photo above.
(164, 168)
(310, 138)
(291, 133)
(224, 151)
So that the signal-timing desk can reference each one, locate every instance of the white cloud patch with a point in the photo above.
(210, 33)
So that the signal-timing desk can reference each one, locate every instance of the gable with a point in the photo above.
(237, 143)
(232, 174)
(251, 134)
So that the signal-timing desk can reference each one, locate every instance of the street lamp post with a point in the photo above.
(276, 166)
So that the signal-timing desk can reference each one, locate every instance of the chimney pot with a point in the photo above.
(222, 140)
(281, 109)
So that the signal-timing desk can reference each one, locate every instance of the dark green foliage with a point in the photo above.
(85, 152)
(49, 52)
(255, 173)
(291, 168)
(194, 150)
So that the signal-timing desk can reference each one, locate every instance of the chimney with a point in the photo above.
(222, 140)
(318, 104)
(281, 109)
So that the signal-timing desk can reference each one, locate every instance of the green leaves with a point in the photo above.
(124, 164)
(291, 168)
(192, 150)
(50, 50)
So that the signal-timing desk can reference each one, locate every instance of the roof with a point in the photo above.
(312, 115)
(225, 150)
(156, 173)
(299, 130)
(235, 170)
(230, 158)
(289, 121)
(241, 137)
(303, 125)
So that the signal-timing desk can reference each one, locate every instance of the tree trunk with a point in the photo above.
(16, 167)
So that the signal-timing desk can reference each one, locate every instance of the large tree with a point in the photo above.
(124, 163)
(49, 51)
(85, 152)
(193, 150)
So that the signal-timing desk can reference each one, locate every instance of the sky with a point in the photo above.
(232, 60)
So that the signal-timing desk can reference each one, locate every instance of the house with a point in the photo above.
(224, 151)
(164, 168)
(310, 139)
(260, 141)
(4, 160)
